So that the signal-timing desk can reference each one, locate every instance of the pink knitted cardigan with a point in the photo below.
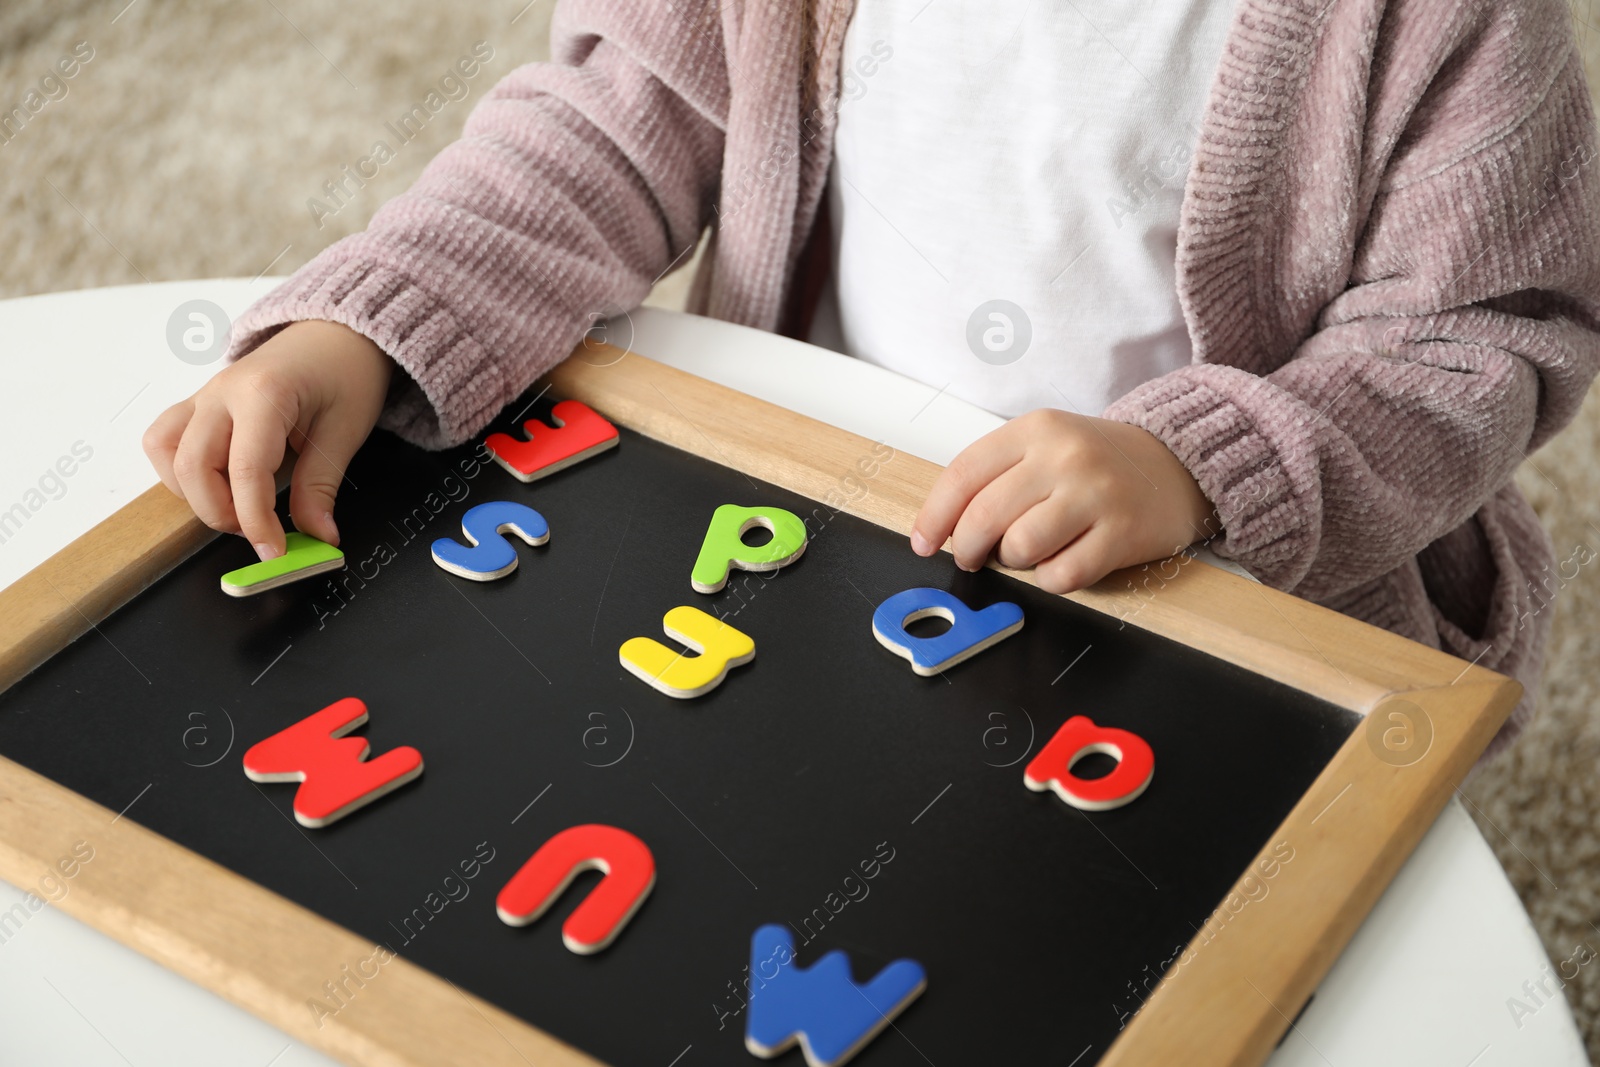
(1386, 260)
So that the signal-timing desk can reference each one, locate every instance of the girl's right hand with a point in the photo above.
(316, 387)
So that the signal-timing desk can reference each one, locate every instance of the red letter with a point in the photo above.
(332, 769)
(579, 433)
(630, 874)
(1078, 737)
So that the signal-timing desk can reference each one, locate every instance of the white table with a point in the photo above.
(1425, 981)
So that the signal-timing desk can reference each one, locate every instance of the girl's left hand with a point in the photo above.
(1071, 496)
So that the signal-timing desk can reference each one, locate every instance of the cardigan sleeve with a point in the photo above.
(1466, 337)
(574, 186)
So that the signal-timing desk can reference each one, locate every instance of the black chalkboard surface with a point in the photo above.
(768, 800)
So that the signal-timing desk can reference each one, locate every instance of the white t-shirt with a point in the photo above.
(1005, 190)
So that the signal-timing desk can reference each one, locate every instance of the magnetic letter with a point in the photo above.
(580, 433)
(303, 557)
(334, 773)
(491, 556)
(676, 674)
(1077, 738)
(630, 874)
(822, 1007)
(970, 631)
(724, 545)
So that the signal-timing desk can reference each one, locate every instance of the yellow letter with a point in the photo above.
(679, 674)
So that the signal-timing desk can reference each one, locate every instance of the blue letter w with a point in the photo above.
(821, 1006)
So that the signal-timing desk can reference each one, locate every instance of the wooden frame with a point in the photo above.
(1227, 1002)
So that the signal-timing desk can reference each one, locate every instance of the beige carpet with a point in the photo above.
(191, 141)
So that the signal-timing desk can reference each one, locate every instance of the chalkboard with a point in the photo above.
(824, 785)
(770, 799)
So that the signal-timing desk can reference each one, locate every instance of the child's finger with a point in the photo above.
(318, 474)
(1043, 530)
(256, 452)
(991, 512)
(1084, 561)
(975, 467)
(201, 465)
(161, 440)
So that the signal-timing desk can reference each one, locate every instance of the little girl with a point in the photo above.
(1306, 277)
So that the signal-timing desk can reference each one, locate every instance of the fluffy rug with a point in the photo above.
(198, 139)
